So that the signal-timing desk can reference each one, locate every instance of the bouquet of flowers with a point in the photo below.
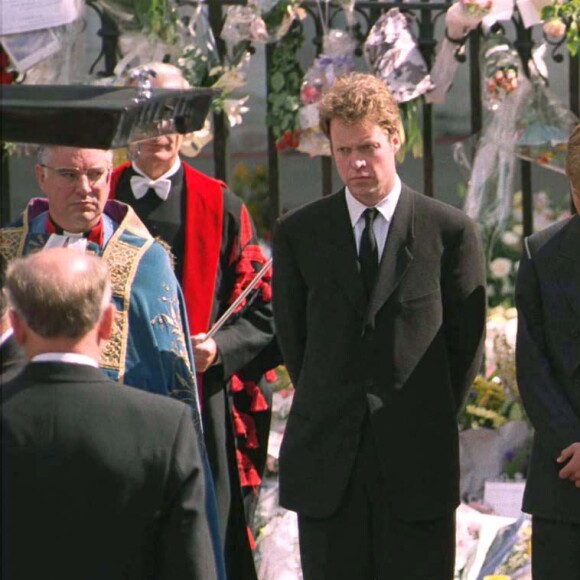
(336, 60)
(543, 129)
(392, 54)
(564, 18)
(489, 195)
(461, 18)
(476, 8)
(501, 72)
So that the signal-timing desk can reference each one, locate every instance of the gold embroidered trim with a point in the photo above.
(12, 242)
(123, 260)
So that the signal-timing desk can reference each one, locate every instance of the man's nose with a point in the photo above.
(83, 183)
(359, 163)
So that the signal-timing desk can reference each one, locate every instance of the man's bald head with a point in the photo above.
(59, 293)
(167, 76)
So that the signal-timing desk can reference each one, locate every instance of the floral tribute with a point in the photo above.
(501, 70)
(543, 128)
(336, 60)
(562, 17)
(460, 19)
(280, 26)
(476, 8)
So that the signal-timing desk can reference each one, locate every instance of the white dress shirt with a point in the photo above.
(5, 336)
(386, 208)
(140, 183)
(66, 357)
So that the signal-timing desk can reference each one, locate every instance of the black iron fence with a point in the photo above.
(425, 16)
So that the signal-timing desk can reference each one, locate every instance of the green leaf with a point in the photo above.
(277, 81)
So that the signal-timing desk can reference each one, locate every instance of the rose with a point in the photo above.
(555, 27)
(511, 239)
(477, 8)
(500, 267)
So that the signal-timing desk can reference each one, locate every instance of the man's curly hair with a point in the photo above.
(360, 97)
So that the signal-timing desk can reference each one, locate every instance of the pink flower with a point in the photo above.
(555, 27)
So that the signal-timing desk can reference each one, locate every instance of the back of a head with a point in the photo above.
(59, 293)
(359, 97)
(167, 76)
(573, 160)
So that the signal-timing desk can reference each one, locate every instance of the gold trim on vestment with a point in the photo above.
(123, 260)
(12, 242)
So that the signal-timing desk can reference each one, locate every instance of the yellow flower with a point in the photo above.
(241, 172)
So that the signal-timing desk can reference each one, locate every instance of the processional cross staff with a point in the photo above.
(234, 305)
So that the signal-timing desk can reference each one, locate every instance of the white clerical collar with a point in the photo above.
(172, 171)
(386, 206)
(6, 335)
(66, 357)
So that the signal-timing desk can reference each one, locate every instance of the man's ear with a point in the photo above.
(105, 326)
(40, 175)
(396, 142)
(19, 327)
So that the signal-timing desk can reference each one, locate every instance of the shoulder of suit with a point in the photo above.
(543, 241)
(311, 211)
(433, 215)
(142, 401)
(438, 208)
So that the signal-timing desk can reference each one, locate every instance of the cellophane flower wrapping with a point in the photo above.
(244, 23)
(336, 60)
(461, 18)
(65, 65)
(543, 128)
(392, 55)
(484, 538)
(259, 21)
(501, 68)
(490, 189)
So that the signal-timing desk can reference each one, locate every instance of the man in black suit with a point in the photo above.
(381, 347)
(11, 356)
(548, 372)
(98, 480)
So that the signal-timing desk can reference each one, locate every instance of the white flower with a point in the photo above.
(541, 200)
(511, 239)
(258, 30)
(555, 27)
(194, 142)
(231, 80)
(500, 267)
(234, 109)
(518, 229)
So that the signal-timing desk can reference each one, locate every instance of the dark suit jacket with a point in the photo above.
(99, 480)
(548, 363)
(11, 360)
(407, 357)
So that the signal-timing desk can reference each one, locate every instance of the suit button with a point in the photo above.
(575, 332)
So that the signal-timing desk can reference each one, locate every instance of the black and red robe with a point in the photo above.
(221, 256)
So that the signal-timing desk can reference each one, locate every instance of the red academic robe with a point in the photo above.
(221, 257)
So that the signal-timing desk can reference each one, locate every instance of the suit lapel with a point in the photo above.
(567, 265)
(342, 253)
(397, 253)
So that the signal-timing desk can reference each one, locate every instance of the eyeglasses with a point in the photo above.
(72, 176)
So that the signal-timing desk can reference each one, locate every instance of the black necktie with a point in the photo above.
(368, 255)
